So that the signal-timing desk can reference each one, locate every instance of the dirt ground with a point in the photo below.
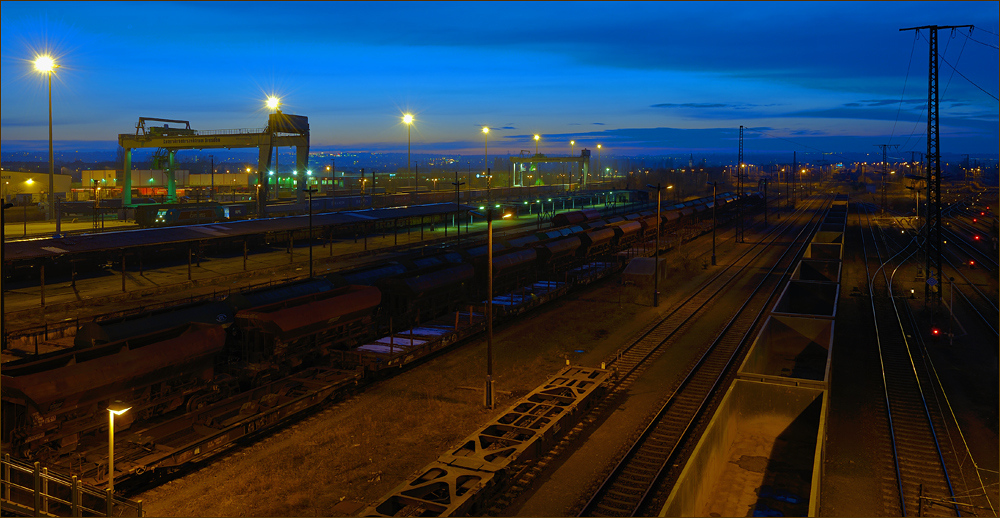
(351, 454)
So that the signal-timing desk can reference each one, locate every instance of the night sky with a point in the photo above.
(640, 78)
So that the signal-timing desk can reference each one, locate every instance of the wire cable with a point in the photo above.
(981, 43)
(902, 95)
(984, 30)
(961, 74)
(969, 80)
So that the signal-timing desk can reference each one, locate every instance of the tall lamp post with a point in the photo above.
(458, 210)
(536, 143)
(46, 65)
(408, 120)
(715, 202)
(572, 153)
(486, 147)
(272, 104)
(600, 174)
(115, 408)
(3, 327)
(310, 192)
(489, 307)
(656, 263)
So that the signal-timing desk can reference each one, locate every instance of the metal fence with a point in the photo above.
(31, 490)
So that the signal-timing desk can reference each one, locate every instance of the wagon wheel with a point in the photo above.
(199, 402)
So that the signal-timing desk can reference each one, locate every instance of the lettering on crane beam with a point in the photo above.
(202, 140)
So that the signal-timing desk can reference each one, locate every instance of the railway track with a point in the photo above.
(631, 489)
(916, 473)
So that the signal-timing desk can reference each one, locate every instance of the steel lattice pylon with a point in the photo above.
(884, 158)
(932, 228)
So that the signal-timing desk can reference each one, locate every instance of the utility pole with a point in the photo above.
(212, 175)
(932, 245)
(739, 191)
(884, 147)
(795, 176)
(458, 210)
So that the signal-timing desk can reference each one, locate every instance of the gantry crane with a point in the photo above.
(281, 130)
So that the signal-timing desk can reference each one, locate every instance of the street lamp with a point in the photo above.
(486, 147)
(458, 210)
(599, 173)
(272, 104)
(536, 143)
(46, 65)
(3, 328)
(310, 192)
(408, 120)
(489, 306)
(656, 263)
(115, 408)
(572, 153)
(715, 202)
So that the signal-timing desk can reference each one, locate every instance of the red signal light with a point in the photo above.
(935, 332)
(976, 238)
(974, 220)
(982, 213)
(972, 263)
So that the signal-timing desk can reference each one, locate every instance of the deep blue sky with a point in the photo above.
(641, 78)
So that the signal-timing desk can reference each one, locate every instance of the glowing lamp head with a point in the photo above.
(118, 408)
(407, 118)
(486, 129)
(45, 64)
(572, 142)
(537, 137)
(273, 102)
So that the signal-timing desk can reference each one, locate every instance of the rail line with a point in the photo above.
(632, 484)
(918, 460)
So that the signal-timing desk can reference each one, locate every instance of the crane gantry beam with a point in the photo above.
(281, 130)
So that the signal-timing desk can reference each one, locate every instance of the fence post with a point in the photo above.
(45, 490)
(920, 501)
(38, 488)
(6, 476)
(110, 501)
(75, 498)
(139, 512)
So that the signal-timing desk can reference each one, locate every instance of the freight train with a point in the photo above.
(186, 358)
(153, 214)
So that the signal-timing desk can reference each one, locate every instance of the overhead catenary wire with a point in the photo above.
(903, 94)
(955, 70)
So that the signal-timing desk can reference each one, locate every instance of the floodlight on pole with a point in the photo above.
(536, 143)
(486, 147)
(408, 120)
(115, 408)
(46, 65)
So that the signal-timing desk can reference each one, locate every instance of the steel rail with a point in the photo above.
(681, 400)
(901, 429)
